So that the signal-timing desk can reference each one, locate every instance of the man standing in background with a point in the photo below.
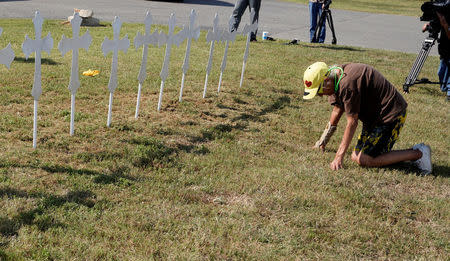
(239, 9)
(315, 10)
(444, 53)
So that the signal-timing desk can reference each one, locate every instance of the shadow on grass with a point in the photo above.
(335, 47)
(220, 131)
(409, 168)
(225, 131)
(41, 215)
(442, 171)
(198, 2)
(278, 104)
(152, 153)
(199, 150)
(221, 106)
(32, 60)
(115, 175)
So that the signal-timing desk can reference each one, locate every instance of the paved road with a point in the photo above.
(282, 20)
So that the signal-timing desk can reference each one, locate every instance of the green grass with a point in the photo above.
(405, 7)
(232, 176)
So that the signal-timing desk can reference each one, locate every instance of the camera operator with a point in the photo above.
(315, 11)
(444, 51)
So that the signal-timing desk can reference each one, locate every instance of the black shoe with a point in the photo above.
(293, 42)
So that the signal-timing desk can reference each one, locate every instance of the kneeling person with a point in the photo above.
(364, 94)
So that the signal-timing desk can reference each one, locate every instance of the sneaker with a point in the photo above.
(424, 163)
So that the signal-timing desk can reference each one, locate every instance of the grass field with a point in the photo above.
(228, 177)
(405, 7)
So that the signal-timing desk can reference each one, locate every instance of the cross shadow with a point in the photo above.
(220, 131)
(116, 175)
(39, 216)
(278, 104)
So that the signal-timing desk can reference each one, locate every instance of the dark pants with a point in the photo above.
(444, 75)
(239, 9)
(315, 11)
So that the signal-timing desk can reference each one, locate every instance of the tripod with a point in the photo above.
(326, 14)
(411, 79)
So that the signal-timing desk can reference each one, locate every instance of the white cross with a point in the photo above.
(6, 54)
(192, 33)
(144, 40)
(64, 46)
(169, 39)
(114, 46)
(37, 46)
(212, 36)
(248, 29)
(228, 37)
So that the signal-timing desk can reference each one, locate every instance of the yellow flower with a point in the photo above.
(91, 72)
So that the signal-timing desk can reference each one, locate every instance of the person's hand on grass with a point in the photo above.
(321, 147)
(336, 163)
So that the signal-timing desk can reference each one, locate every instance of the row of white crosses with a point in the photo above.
(115, 45)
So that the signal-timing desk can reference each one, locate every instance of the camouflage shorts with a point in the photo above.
(381, 138)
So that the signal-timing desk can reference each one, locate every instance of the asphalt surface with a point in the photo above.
(283, 20)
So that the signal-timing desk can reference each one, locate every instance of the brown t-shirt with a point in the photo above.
(365, 91)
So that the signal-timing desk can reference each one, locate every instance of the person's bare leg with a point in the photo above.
(389, 158)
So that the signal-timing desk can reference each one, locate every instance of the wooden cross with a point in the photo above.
(191, 33)
(6, 54)
(248, 29)
(114, 46)
(212, 36)
(228, 37)
(169, 39)
(74, 44)
(144, 40)
(37, 46)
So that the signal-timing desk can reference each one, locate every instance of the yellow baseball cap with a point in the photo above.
(312, 78)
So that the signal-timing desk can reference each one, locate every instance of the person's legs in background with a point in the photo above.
(254, 4)
(313, 13)
(239, 9)
(444, 76)
(315, 10)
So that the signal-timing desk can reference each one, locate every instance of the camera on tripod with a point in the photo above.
(326, 4)
(429, 10)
